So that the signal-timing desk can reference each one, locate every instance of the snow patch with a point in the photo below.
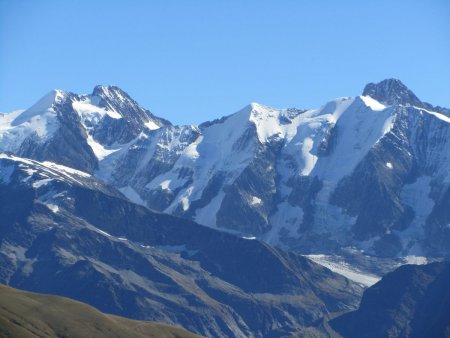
(152, 125)
(165, 185)
(372, 103)
(388, 125)
(63, 169)
(104, 233)
(91, 114)
(255, 200)
(53, 207)
(345, 269)
(132, 195)
(309, 159)
(417, 260)
(41, 183)
(99, 151)
(438, 115)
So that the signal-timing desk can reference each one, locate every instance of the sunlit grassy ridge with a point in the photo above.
(26, 314)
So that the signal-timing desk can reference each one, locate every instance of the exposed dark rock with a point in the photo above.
(412, 301)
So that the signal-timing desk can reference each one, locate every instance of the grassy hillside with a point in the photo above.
(26, 314)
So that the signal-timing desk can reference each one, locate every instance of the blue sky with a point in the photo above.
(191, 61)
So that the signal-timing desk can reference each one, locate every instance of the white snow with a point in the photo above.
(152, 125)
(132, 195)
(167, 181)
(190, 152)
(345, 269)
(359, 128)
(53, 207)
(436, 114)
(185, 202)
(268, 124)
(165, 184)
(41, 183)
(99, 151)
(388, 125)
(255, 200)
(309, 159)
(372, 103)
(266, 120)
(221, 148)
(227, 147)
(91, 113)
(63, 169)
(46, 169)
(104, 233)
(43, 107)
(39, 121)
(417, 260)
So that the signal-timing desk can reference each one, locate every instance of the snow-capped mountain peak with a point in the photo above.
(43, 106)
(353, 169)
(111, 93)
(392, 92)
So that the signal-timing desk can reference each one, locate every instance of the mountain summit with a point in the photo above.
(392, 92)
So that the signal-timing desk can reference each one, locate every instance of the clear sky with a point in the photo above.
(191, 61)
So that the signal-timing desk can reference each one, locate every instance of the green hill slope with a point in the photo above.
(26, 314)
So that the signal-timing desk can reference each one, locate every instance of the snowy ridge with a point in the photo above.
(39, 121)
(97, 112)
(45, 106)
(227, 147)
(276, 174)
(48, 170)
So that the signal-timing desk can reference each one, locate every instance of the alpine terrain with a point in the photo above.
(207, 226)
(369, 172)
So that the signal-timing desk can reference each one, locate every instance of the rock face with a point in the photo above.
(392, 92)
(370, 172)
(62, 231)
(412, 301)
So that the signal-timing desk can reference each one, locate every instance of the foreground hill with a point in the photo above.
(29, 315)
(412, 301)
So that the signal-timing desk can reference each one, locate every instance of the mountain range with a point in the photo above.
(206, 226)
(369, 172)
(66, 233)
